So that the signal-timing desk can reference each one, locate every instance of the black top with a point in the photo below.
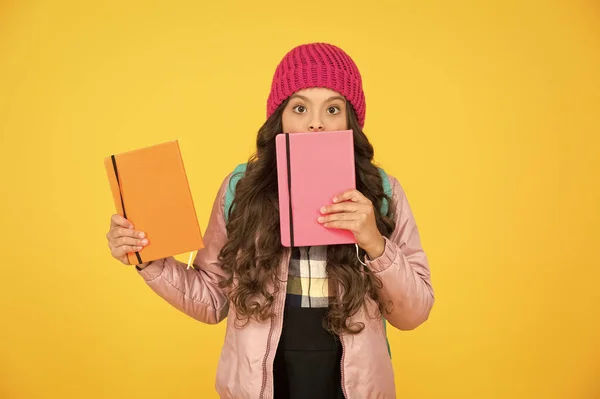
(308, 360)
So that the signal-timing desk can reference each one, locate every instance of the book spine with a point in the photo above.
(289, 179)
(114, 162)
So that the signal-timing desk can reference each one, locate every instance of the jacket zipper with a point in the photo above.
(342, 367)
(264, 382)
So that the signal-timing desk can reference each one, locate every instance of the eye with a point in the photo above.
(300, 109)
(333, 110)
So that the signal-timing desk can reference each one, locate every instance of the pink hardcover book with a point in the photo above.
(312, 168)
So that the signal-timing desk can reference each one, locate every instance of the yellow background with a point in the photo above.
(487, 112)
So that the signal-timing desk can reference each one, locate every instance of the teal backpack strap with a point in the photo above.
(387, 189)
(237, 174)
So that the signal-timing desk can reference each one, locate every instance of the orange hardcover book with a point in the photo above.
(150, 189)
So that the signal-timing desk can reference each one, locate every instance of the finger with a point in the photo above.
(350, 225)
(124, 250)
(352, 195)
(341, 216)
(345, 207)
(132, 242)
(118, 232)
(119, 221)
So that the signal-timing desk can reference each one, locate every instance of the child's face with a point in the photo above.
(314, 110)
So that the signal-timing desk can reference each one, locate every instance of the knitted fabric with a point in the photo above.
(317, 65)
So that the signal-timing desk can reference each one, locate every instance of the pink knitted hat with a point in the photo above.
(317, 65)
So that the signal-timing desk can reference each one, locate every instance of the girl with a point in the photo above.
(306, 322)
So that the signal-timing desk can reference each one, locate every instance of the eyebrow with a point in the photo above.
(336, 98)
(328, 100)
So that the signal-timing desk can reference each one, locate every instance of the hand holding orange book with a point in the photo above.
(150, 189)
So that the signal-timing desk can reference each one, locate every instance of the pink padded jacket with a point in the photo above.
(245, 368)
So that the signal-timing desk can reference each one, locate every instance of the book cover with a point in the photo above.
(150, 189)
(312, 168)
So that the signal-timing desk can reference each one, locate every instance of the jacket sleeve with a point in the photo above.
(195, 292)
(407, 294)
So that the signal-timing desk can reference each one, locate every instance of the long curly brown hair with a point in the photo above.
(253, 252)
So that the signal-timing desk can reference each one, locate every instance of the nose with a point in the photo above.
(316, 126)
